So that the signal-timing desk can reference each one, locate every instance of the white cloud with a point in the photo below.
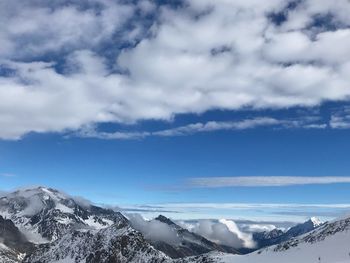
(203, 56)
(33, 206)
(154, 230)
(253, 228)
(263, 181)
(199, 127)
(223, 232)
(7, 175)
(341, 119)
(38, 27)
(239, 206)
(264, 213)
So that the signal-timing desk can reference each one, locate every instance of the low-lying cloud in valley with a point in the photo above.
(154, 229)
(225, 232)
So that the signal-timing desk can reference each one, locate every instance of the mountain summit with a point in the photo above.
(45, 214)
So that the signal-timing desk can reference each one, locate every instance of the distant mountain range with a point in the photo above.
(276, 236)
(43, 225)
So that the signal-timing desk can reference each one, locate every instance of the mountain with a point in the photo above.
(45, 214)
(49, 226)
(67, 229)
(191, 244)
(327, 243)
(8, 255)
(13, 244)
(276, 236)
(307, 226)
(115, 244)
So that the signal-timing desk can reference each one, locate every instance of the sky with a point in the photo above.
(193, 109)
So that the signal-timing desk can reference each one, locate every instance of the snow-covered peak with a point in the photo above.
(316, 221)
(43, 193)
(49, 213)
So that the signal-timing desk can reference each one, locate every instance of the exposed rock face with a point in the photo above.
(13, 244)
(114, 244)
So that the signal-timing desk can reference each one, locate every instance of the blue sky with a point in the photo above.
(159, 106)
(153, 171)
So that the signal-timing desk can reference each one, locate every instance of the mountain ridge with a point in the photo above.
(77, 231)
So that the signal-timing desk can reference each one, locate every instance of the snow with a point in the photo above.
(3, 247)
(92, 222)
(316, 221)
(64, 220)
(329, 243)
(64, 209)
(333, 250)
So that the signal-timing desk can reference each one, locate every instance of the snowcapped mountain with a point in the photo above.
(305, 227)
(327, 243)
(45, 214)
(190, 243)
(276, 236)
(116, 243)
(67, 229)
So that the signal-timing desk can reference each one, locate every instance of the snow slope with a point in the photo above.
(330, 243)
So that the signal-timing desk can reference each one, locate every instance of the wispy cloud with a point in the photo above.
(263, 181)
(239, 206)
(91, 132)
(210, 126)
(253, 211)
(7, 175)
(340, 119)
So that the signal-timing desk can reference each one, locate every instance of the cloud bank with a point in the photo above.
(223, 232)
(264, 181)
(111, 61)
(266, 213)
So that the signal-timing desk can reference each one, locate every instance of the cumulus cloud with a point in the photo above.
(263, 181)
(108, 61)
(223, 232)
(35, 28)
(154, 230)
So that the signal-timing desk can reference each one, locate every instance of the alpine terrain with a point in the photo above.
(43, 225)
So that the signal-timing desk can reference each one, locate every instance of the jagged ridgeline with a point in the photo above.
(43, 225)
